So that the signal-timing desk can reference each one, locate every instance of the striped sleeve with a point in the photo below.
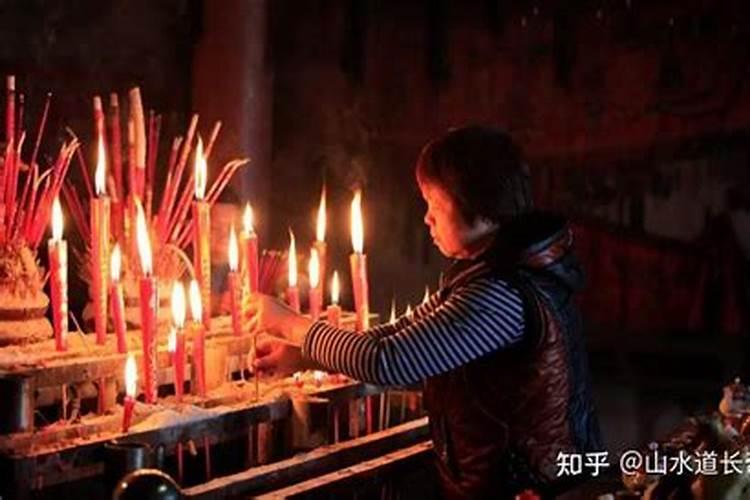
(482, 317)
(405, 320)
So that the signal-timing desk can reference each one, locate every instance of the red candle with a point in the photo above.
(201, 234)
(131, 379)
(100, 212)
(116, 299)
(320, 239)
(178, 344)
(149, 302)
(358, 262)
(139, 143)
(333, 313)
(235, 284)
(199, 341)
(292, 292)
(58, 263)
(316, 289)
(250, 244)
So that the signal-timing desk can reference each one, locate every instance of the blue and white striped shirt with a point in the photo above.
(478, 318)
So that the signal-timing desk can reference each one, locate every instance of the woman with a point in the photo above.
(498, 347)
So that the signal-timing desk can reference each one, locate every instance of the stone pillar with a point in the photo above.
(232, 82)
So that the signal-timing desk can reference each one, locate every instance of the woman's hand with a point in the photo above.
(268, 314)
(278, 357)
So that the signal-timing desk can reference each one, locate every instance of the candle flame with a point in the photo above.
(172, 340)
(335, 288)
(233, 251)
(57, 220)
(115, 261)
(144, 241)
(178, 304)
(409, 312)
(247, 219)
(319, 376)
(314, 268)
(320, 228)
(131, 376)
(292, 261)
(392, 319)
(100, 175)
(201, 171)
(426, 297)
(358, 232)
(196, 308)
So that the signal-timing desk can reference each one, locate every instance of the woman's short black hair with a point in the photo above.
(481, 168)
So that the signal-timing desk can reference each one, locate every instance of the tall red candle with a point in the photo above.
(316, 287)
(199, 341)
(202, 234)
(149, 302)
(116, 299)
(235, 284)
(131, 380)
(58, 263)
(333, 313)
(250, 244)
(178, 325)
(358, 263)
(100, 213)
(292, 292)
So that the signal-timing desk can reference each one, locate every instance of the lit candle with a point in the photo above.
(131, 379)
(58, 262)
(201, 234)
(149, 302)
(333, 313)
(199, 340)
(250, 244)
(292, 292)
(235, 287)
(116, 299)
(320, 239)
(100, 212)
(426, 297)
(358, 262)
(392, 319)
(316, 288)
(178, 325)
(409, 313)
(319, 377)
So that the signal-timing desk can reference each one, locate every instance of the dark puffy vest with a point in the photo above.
(499, 422)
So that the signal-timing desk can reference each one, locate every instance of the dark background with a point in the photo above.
(633, 115)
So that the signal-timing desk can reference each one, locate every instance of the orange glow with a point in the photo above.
(358, 232)
(196, 308)
(131, 376)
(115, 261)
(392, 319)
(144, 241)
(201, 171)
(335, 288)
(314, 268)
(178, 304)
(233, 251)
(320, 227)
(57, 220)
(292, 260)
(248, 219)
(426, 297)
(100, 174)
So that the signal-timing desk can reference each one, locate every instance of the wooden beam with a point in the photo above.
(312, 464)
(357, 472)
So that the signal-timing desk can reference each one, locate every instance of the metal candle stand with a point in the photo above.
(35, 459)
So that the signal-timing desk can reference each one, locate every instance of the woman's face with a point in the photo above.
(451, 233)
